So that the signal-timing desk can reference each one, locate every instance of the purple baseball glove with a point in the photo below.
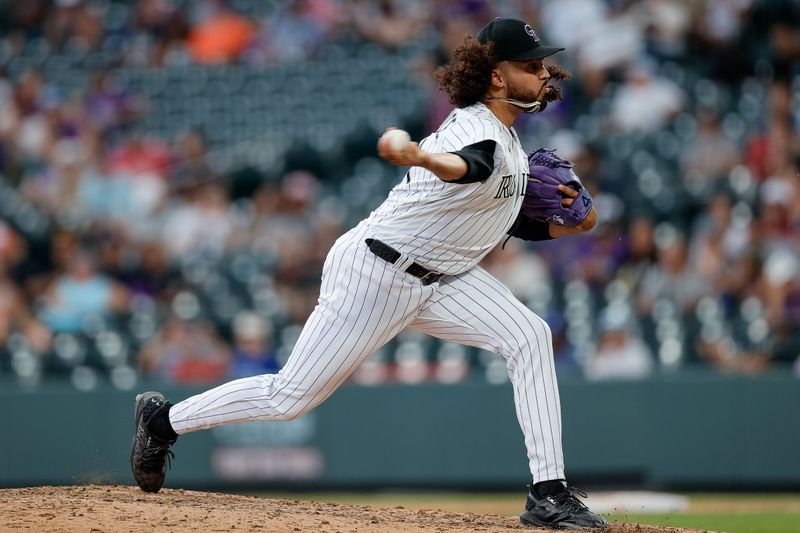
(542, 197)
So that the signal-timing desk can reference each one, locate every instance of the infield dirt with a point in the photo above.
(97, 508)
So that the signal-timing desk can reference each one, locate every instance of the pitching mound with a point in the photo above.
(122, 508)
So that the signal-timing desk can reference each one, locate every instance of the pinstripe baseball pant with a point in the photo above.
(364, 302)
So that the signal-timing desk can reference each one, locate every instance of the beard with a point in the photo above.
(524, 94)
(546, 94)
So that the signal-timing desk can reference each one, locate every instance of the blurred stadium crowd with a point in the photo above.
(172, 174)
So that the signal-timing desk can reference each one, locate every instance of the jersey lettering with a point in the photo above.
(507, 188)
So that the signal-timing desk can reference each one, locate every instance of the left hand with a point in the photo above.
(554, 193)
(569, 195)
(557, 230)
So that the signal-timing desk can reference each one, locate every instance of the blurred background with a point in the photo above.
(172, 174)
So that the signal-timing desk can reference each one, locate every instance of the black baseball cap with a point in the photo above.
(514, 40)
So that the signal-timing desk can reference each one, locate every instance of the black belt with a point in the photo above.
(390, 255)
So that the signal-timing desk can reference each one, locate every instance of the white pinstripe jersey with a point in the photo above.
(450, 227)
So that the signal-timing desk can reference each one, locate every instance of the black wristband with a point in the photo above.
(530, 230)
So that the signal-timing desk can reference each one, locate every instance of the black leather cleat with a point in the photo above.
(560, 511)
(149, 454)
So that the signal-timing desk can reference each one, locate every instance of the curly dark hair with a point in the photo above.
(557, 73)
(468, 75)
(466, 78)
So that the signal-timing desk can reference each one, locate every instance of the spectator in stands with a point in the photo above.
(153, 274)
(253, 353)
(564, 353)
(621, 353)
(296, 33)
(668, 24)
(718, 29)
(80, 294)
(15, 315)
(640, 251)
(603, 252)
(165, 25)
(671, 278)
(101, 194)
(185, 352)
(199, 225)
(522, 271)
(780, 292)
(75, 24)
(708, 160)
(110, 106)
(589, 165)
(190, 161)
(388, 22)
(140, 154)
(769, 152)
(718, 242)
(785, 48)
(33, 133)
(221, 36)
(285, 229)
(778, 197)
(646, 102)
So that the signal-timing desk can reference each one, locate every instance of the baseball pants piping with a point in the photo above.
(364, 302)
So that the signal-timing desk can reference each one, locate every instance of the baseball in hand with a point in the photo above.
(398, 139)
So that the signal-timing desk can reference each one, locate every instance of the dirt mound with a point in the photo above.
(123, 508)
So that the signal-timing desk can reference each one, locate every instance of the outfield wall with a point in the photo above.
(692, 431)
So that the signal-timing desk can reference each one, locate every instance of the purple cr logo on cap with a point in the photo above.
(530, 32)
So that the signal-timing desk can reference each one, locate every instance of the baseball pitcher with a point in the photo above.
(413, 263)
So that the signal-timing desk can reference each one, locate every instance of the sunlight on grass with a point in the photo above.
(733, 523)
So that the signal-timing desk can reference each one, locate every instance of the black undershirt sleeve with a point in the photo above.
(529, 229)
(480, 161)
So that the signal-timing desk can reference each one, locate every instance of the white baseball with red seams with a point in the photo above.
(398, 139)
(365, 300)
